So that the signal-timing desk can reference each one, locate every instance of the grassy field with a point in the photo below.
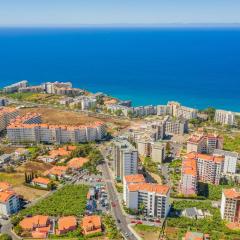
(147, 232)
(69, 200)
(14, 179)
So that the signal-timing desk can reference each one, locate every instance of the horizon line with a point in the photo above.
(119, 25)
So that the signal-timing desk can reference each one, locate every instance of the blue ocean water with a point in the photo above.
(199, 67)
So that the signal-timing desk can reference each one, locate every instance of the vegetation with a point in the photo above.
(210, 111)
(5, 236)
(146, 228)
(69, 200)
(232, 143)
(149, 165)
(92, 153)
(111, 229)
(119, 187)
(210, 191)
(214, 225)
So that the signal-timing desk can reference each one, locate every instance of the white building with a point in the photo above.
(9, 203)
(14, 87)
(230, 205)
(158, 151)
(125, 158)
(153, 199)
(186, 112)
(225, 117)
(175, 127)
(230, 160)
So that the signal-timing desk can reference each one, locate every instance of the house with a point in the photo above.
(9, 202)
(41, 182)
(77, 163)
(91, 224)
(66, 224)
(196, 236)
(56, 172)
(39, 226)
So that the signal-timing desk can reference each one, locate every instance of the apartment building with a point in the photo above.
(125, 158)
(200, 167)
(204, 143)
(230, 205)
(9, 201)
(175, 127)
(186, 113)
(230, 160)
(155, 150)
(177, 110)
(188, 183)
(225, 117)
(83, 102)
(158, 152)
(49, 87)
(6, 115)
(163, 110)
(28, 129)
(32, 89)
(144, 110)
(14, 87)
(152, 198)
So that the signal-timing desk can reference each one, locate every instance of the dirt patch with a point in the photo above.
(32, 166)
(29, 193)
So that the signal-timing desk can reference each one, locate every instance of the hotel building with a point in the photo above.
(230, 205)
(14, 87)
(153, 198)
(29, 129)
(225, 117)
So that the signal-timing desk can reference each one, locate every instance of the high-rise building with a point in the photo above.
(225, 117)
(204, 143)
(152, 199)
(125, 158)
(230, 205)
(6, 115)
(230, 160)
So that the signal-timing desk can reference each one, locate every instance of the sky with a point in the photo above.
(81, 12)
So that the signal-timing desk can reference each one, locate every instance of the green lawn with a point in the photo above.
(70, 200)
(232, 143)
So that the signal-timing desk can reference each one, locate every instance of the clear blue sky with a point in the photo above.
(68, 12)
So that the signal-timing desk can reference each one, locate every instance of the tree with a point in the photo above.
(210, 111)
(118, 112)
(141, 207)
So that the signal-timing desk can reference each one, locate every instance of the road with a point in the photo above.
(7, 229)
(117, 211)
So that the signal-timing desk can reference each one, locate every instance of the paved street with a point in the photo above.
(121, 219)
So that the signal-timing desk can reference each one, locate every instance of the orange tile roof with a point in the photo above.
(4, 196)
(231, 193)
(149, 187)
(137, 178)
(56, 170)
(65, 223)
(189, 167)
(194, 236)
(36, 234)
(91, 224)
(41, 180)
(5, 186)
(30, 223)
(205, 157)
(77, 162)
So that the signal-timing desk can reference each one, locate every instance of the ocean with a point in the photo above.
(198, 67)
